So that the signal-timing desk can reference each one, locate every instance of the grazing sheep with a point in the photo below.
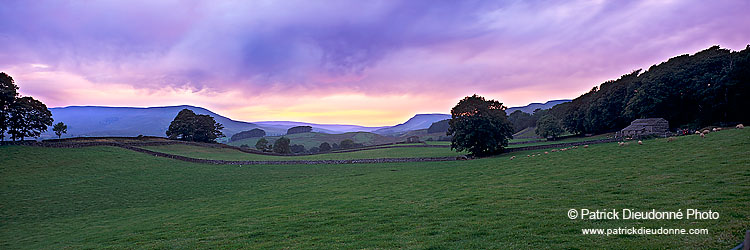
(718, 129)
(554, 150)
(671, 139)
(703, 135)
(621, 144)
(740, 126)
(546, 153)
(697, 132)
(528, 155)
(713, 130)
(585, 146)
(512, 157)
(640, 142)
(705, 131)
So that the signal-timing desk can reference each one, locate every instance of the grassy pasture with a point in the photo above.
(236, 155)
(101, 197)
(314, 139)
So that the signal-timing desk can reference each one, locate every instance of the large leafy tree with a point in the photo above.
(188, 126)
(262, 144)
(479, 126)
(325, 147)
(281, 146)
(549, 126)
(8, 94)
(28, 117)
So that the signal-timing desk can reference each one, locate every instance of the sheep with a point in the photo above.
(740, 126)
(546, 153)
(528, 155)
(671, 139)
(714, 130)
(640, 142)
(554, 150)
(512, 157)
(586, 146)
(705, 131)
(621, 144)
(697, 132)
(703, 135)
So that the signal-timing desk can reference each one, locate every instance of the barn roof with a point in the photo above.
(648, 121)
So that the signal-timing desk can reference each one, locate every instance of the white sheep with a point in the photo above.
(705, 131)
(512, 157)
(703, 135)
(697, 132)
(546, 153)
(585, 146)
(640, 142)
(740, 126)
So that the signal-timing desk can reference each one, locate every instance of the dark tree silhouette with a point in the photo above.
(28, 117)
(253, 133)
(479, 126)
(281, 146)
(296, 148)
(188, 126)
(298, 130)
(325, 147)
(8, 94)
(549, 127)
(262, 144)
(60, 129)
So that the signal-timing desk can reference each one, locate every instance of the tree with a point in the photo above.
(335, 146)
(60, 128)
(28, 117)
(296, 148)
(8, 94)
(281, 146)
(479, 126)
(521, 120)
(347, 144)
(314, 150)
(324, 147)
(438, 127)
(549, 127)
(298, 130)
(188, 126)
(262, 144)
(256, 132)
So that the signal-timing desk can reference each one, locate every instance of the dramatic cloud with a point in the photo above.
(368, 62)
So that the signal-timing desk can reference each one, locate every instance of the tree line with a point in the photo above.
(283, 146)
(711, 87)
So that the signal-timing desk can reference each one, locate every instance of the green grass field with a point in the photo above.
(313, 139)
(106, 197)
(236, 155)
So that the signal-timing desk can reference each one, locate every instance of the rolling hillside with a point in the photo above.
(314, 139)
(127, 121)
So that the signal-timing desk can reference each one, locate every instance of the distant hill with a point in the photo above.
(128, 121)
(420, 121)
(280, 127)
(533, 106)
(154, 121)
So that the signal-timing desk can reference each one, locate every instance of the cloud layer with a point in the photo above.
(271, 60)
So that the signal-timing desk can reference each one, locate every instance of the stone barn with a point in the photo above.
(412, 139)
(647, 126)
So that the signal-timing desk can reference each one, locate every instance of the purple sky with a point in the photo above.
(358, 62)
